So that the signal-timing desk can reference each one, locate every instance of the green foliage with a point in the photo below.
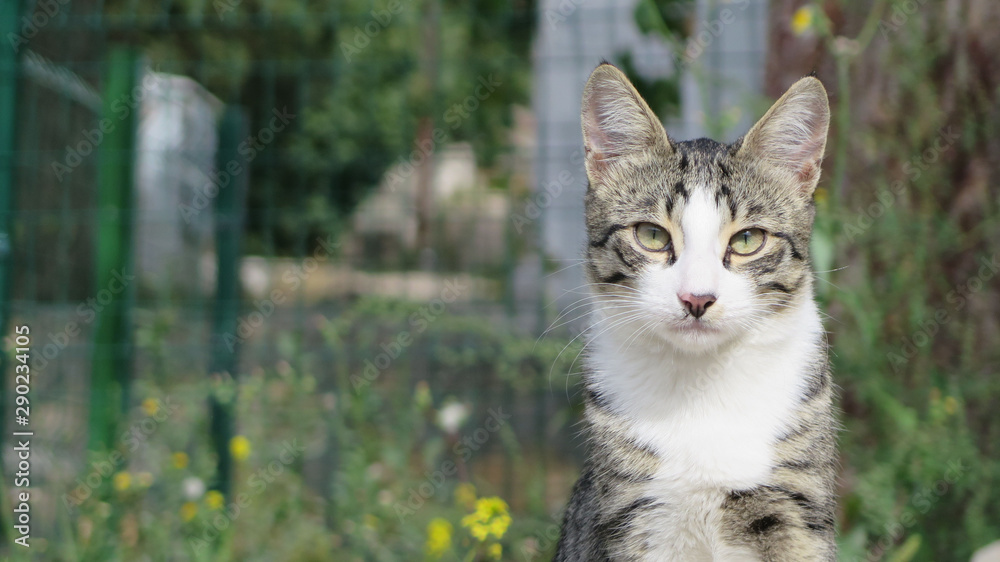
(396, 444)
(913, 331)
(669, 20)
(373, 472)
(362, 79)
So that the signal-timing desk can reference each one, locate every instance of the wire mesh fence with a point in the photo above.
(184, 214)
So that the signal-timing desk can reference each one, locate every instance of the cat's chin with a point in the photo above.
(695, 337)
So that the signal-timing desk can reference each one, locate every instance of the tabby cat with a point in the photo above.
(707, 388)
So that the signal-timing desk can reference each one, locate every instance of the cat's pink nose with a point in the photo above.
(696, 304)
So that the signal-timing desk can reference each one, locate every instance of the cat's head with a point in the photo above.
(698, 243)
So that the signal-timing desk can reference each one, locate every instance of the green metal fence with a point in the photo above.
(74, 226)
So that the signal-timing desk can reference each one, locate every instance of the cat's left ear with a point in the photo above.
(791, 136)
(618, 125)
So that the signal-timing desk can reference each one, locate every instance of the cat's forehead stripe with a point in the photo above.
(724, 194)
(680, 190)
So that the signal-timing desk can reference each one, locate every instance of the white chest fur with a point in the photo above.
(712, 420)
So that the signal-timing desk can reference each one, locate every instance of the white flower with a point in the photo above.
(375, 471)
(193, 488)
(384, 497)
(451, 417)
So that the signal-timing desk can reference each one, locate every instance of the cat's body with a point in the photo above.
(708, 395)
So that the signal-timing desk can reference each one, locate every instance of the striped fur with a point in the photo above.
(711, 437)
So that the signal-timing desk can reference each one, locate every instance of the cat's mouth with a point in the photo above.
(695, 326)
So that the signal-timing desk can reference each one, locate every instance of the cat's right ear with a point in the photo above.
(617, 122)
(791, 136)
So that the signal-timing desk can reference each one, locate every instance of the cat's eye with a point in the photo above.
(747, 242)
(651, 237)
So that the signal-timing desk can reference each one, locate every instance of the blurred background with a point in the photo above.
(302, 278)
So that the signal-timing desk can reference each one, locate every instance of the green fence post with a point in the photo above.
(111, 363)
(9, 24)
(229, 213)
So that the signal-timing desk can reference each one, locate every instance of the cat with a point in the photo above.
(708, 395)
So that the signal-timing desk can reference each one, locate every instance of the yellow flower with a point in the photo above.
(239, 446)
(189, 510)
(370, 521)
(478, 530)
(438, 537)
(150, 406)
(179, 460)
(465, 495)
(490, 518)
(495, 551)
(215, 500)
(950, 405)
(144, 479)
(498, 526)
(121, 481)
(821, 195)
(802, 20)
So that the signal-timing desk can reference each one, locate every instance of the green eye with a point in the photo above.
(652, 237)
(748, 242)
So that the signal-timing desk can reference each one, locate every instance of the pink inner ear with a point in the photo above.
(798, 145)
(807, 157)
(597, 157)
(807, 175)
(792, 134)
(596, 140)
(807, 171)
